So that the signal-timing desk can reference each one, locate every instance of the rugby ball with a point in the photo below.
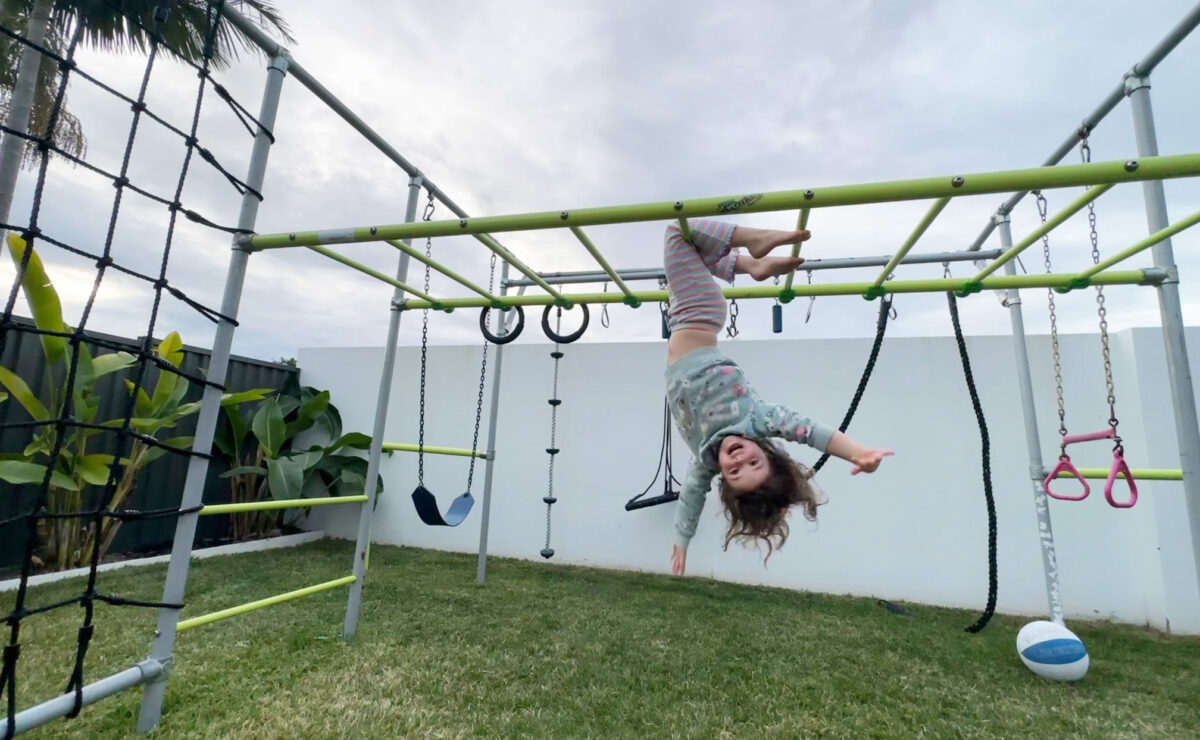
(1052, 651)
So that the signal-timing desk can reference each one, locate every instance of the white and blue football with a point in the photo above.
(1052, 651)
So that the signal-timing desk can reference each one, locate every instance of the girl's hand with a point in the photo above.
(678, 560)
(868, 461)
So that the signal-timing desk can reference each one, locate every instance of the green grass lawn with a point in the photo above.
(552, 651)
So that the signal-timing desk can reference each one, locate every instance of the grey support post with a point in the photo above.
(486, 513)
(1033, 441)
(206, 424)
(1187, 427)
(20, 107)
(366, 513)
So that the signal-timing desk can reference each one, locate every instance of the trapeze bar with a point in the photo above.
(1144, 244)
(657, 273)
(801, 223)
(1146, 276)
(234, 611)
(64, 704)
(1074, 207)
(287, 503)
(938, 206)
(1138, 473)
(430, 450)
(587, 243)
(1149, 168)
(372, 272)
(420, 257)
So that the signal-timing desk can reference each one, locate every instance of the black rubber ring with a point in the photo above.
(516, 332)
(570, 337)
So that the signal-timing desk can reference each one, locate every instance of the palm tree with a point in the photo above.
(107, 25)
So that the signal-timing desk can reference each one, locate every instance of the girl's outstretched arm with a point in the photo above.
(863, 459)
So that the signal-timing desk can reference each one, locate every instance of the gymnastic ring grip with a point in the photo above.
(505, 338)
(569, 337)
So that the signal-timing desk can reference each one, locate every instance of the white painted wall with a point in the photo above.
(916, 530)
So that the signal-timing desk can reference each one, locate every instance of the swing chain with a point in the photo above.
(429, 208)
(1058, 382)
(946, 270)
(731, 330)
(1085, 153)
(604, 310)
(482, 376)
(812, 300)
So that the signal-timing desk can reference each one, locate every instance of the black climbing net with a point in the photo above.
(148, 20)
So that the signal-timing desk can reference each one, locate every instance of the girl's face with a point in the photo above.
(743, 463)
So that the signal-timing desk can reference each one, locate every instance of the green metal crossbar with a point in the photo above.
(933, 285)
(419, 256)
(406, 447)
(1138, 473)
(287, 503)
(372, 272)
(911, 242)
(1039, 178)
(1144, 244)
(591, 248)
(801, 223)
(234, 611)
(511, 259)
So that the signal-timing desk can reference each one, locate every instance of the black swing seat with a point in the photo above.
(427, 508)
(637, 502)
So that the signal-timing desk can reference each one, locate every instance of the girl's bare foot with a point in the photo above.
(761, 268)
(760, 242)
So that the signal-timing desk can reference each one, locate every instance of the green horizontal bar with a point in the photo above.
(202, 620)
(587, 243)
(404, 447)
(930, 215)
(511, 259)
(1038, 178)
(1144, 244)
(420, 257)
(1138, 473)
(287, 503)
(1074, 207)
(932, 285)
(801, 223)
(369, 271)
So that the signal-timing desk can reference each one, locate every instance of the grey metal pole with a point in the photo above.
(1033, 441)
(20, 108)
(1187, 427)
(486, 511)
(61, 706)
(367, 512)
(206, 424)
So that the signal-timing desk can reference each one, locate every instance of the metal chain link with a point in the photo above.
(1058, 382)
(1085, 153)
(812, 300)
(604, 311)
(428, 214)
(482, 376)
(731, 330)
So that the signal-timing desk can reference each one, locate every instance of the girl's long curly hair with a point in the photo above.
(762, 513)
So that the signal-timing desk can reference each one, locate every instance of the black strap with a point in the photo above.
(664, 455)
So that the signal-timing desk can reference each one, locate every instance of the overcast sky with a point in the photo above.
(532, 105)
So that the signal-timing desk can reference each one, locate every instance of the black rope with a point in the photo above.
(124, 515)
(985, 455)
(885, 308)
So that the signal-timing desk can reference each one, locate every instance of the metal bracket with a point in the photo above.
(1038, 473)
(280, 61)
(1160, 275)
(241, 243)
(400, 305)
(417, 180)
(1135, 82)
(1000, 218)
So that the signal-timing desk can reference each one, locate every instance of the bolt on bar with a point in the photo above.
(1144, 244)
(420, 257)
(1146, 276)
(801, 223)
(373, 273)
(911, 242)
(287, 503)
(1051, 223)
(1138, 473)
(1149, 168)
(234, 611)
(587, 243)
(460, 452)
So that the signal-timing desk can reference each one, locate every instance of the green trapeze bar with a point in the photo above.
(587, 243)
(930, 215)
(1051, 223)
(1062, 176)
(373, 273)
(932, 285)
(1138, 473)
(405, 447)
(511, 259)
(202, 620)
(1144, 244)
(287, 503)
(801, 223)
(420, 257)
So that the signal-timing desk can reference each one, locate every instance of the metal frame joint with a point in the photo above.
(1133, 81)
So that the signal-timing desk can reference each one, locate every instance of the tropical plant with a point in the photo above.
(266, 463)
(67, 541)
(107, 25)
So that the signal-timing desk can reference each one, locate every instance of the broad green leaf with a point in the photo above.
(353, 440)
(42, 298)
(287, 404)
(17, 473)
(142, 407)
(244, 470)
(93, 469)
(254, 394)
(111, 363)
(85, 372)
(269, 428)
(179, 443)
(231, 432)
(308, 412)
(285, 478)
(24, 396)
(171, 350)
(331, 422)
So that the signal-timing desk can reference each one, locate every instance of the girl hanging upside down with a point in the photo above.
(727, 427)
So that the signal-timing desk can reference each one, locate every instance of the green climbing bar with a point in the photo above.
(1144, 244)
